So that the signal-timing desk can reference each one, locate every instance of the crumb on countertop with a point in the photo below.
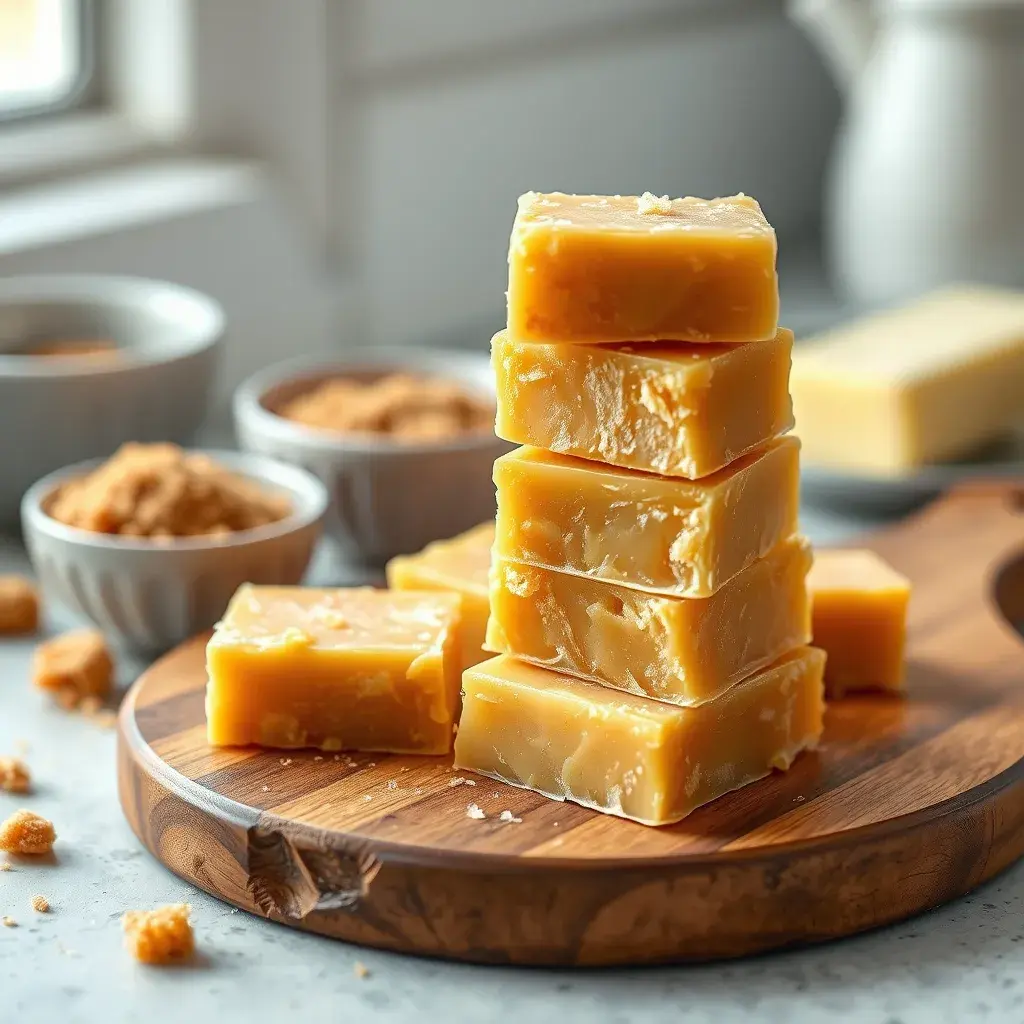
(14, 775)
(5, 865)
(27, 834)
(94, 709)
(161, 936)
(360, 970)
(19, 606)
(74, 667)
(40, 904)
(8, 922)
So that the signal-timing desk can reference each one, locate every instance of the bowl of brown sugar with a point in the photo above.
(403, 438)
(151, 543)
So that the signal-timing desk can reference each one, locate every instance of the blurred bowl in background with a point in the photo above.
(389, 497)
(57, 410)
(149, 595)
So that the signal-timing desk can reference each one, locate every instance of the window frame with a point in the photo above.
(87, 88)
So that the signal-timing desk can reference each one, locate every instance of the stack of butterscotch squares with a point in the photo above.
(648, 593)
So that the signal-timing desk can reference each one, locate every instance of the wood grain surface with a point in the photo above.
(908, 803)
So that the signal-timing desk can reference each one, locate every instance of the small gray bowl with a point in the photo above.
(388, 497)
(151, 595)
(64, 410)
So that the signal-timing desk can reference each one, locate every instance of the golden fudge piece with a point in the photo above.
(460, 565)
(666, 407)
(900, 389)
(346, 669)
(685, 650)
(628, 268)
(859, 617)
(650, 532)
(627, 755)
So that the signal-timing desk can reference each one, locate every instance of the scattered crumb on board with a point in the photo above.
(510, 817)
(475, 812)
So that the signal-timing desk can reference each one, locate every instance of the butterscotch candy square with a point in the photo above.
(683, 650)
(459, 564)
(19, 606)
(14, 776)
(686, 538)
(667, 407)
(339, 669)
(161, 936)
(27, 834)
(859, 617)
(641, 268)
(74, 667)
(627, 755)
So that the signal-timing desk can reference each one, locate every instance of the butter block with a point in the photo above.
(628, 268)
(859, 617)
(629, 756)
(665, 407)
(904, 388)
(345, 669)
(685, 650)
(652, 532)
(459, 565)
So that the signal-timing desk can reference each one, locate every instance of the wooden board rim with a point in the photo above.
(238, 812)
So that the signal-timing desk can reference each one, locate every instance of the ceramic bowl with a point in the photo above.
(149, 595)
(61, 410)
(387, 497)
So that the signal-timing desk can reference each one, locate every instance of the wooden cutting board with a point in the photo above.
(907, 804)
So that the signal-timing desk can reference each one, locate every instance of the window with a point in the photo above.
(47, 55)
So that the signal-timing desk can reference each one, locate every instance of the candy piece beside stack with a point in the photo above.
(648, 585)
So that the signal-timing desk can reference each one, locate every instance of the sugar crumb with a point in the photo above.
(27, 833)
(457, 782)
(392, 784)
(160, 936)
(475, 812)
(650, 203)
(360, 970)
(367, 798)
(318, 757)
(285, 761)
(266, 789)
(510, 817)
(14, 775)
(74, 667)
(40, 904)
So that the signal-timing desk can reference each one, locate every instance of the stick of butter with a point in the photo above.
(904, 388)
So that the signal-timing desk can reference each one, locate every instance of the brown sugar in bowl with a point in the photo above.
(389, 496)
(150, 593)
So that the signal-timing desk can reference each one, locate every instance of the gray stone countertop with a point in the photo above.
(963, 962)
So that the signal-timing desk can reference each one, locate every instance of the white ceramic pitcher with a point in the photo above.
(927, 183)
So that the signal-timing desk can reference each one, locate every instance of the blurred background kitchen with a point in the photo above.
(343, 173)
